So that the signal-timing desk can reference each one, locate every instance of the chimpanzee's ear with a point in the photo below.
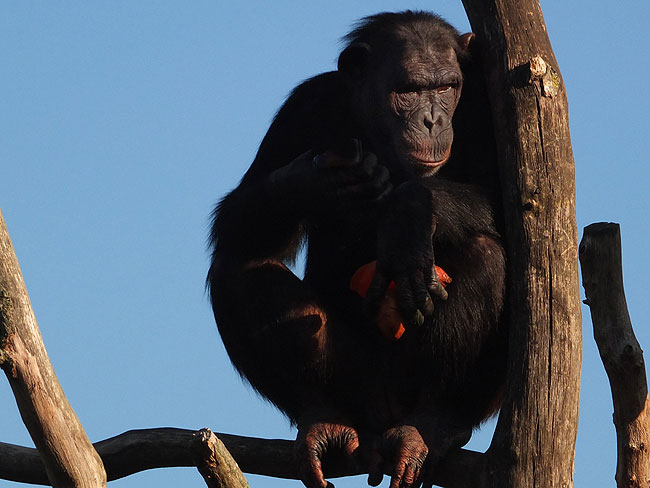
(354, 59)
(466, 39)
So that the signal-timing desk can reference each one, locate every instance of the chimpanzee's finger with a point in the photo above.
(421, 296)
(311, 471)
(438, 291)
(375, 471)
(398, 474)
(376, 293)
(411, 475)
(349, 149)
(405, 301)
(434, 286)
(329, 160)
(375, 188)
(347, 154)
(367, 167)
(366, 170)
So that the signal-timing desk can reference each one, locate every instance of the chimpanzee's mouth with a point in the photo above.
(428, 161)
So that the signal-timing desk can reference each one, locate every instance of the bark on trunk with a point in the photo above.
(534, 442)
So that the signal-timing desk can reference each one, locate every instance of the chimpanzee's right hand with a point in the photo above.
(335, 179)
(317, 439)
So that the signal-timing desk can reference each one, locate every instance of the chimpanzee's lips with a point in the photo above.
(426, 160)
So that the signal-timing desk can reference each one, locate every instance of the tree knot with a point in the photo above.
(539, 71)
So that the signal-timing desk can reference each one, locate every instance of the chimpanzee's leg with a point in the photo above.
(274, 331)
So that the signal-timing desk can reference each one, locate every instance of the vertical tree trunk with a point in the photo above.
(70, 459)
(534, 442)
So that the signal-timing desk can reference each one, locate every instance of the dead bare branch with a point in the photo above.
(214, 462)
(166, 447)
(602, 278)
(68, 456)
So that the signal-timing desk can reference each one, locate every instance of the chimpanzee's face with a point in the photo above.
(407, 104)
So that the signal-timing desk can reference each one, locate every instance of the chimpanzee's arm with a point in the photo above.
(273, 324)
(418, 218)
(308, 165)
(457, 222)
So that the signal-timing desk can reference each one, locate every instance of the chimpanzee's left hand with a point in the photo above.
(411, 452)
(405, 254)
(404, 450)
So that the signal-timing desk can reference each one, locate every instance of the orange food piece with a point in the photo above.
(389, 320)
(443, 277)
(361, 279)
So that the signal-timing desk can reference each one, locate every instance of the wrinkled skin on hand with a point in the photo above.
(318, 439)
(404, 449)
(405, 255)
(410, 453)
(335, 179)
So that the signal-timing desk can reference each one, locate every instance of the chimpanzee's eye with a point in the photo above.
(445, 88)
(408, 88)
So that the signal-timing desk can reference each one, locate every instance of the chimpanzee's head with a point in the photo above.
(406, 73)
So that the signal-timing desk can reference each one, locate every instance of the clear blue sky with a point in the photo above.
(122, 123)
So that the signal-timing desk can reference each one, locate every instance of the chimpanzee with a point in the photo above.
(349, 169)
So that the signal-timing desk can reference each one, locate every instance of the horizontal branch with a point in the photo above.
(139, 450)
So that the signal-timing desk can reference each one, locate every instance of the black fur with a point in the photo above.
(307, 345)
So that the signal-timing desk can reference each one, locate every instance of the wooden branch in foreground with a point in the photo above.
(602, 278)
(139, 450)
(68, 456)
